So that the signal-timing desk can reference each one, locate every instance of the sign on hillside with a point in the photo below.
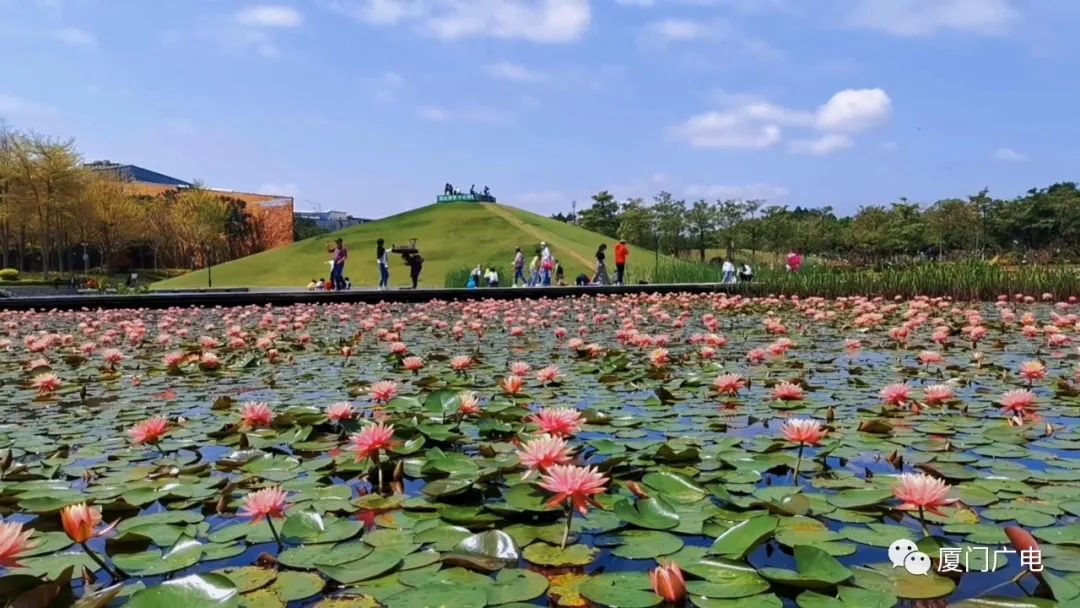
(450, 195)
(467, 198)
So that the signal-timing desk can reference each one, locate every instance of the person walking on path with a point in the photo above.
(621, 253)
(601, 267)
(519, 266)
(415, 264)
(729, 272)
(547, 264)
(477, 275)
(337, 270)
(534, 270)
(382, 258)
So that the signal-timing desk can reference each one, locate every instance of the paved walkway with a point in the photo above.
(286, 297)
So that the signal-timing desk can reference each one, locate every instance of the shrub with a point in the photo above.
(9, 274)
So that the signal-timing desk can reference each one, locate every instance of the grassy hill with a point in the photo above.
(450, 236)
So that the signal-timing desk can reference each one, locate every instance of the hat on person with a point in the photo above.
(543, 243)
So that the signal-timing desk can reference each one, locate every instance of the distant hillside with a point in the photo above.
(450, 236)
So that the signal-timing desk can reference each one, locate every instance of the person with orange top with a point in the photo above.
(621, 253)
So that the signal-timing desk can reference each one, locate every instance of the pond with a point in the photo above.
(643, 450)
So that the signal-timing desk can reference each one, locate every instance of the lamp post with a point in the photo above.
(85, 260)
(656, 234)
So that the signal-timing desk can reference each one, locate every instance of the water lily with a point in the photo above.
(922, 492)
(573, 486)
(269, 504)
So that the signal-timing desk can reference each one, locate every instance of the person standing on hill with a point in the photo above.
(337, 271)
(534, 270)
(519, 266)
(601, 266)
(621, 253)
(415, 263)
(382, 258)
(547, 264)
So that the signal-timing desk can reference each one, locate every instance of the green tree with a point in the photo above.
(702, 219)
(671, 224)
(636, 223)
(305, 228)
(602, 216)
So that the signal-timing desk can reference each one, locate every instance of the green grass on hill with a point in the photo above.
(450, 236)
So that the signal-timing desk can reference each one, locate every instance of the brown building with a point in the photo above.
(273, 213)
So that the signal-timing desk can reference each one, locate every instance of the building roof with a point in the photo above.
(134, 173)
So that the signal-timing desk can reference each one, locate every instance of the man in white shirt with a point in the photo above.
(729, 272)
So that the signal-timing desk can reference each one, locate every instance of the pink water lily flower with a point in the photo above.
(922, 491)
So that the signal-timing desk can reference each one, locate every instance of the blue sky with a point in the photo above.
(369, 106)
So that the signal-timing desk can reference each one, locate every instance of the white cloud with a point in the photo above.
(505, 70)
(433, 113)
(929, 17)
(683, 31)
(753, 125)
(758, 124)
(726, 130)
(546, 21)
(269, 16)
(1010, 155)
(745, 192)
(679, 29)
(73, 36)
(826, 144)
(854, 110)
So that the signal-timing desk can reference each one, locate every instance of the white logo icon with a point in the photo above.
(917, 562)
(900, 549)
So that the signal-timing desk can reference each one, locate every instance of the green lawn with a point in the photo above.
(449, 235)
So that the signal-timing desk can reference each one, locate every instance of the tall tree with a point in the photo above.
(636, 223)
(702, 218)
(671, 222)
(730, 214)
(602, 216)
(115, 219)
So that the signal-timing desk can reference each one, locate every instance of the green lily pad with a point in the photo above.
(652, 513)
(898, 582)
(815, 569)
(544, 554)
(644, 544)
(674, 487)
(860, 499)
(847, 597)
(291, 586)
(185, 553)
(439, 595)
(248, 578)
(621, 590)
(195, 591)
(738, 540)
(516, 585)
(378, 562)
